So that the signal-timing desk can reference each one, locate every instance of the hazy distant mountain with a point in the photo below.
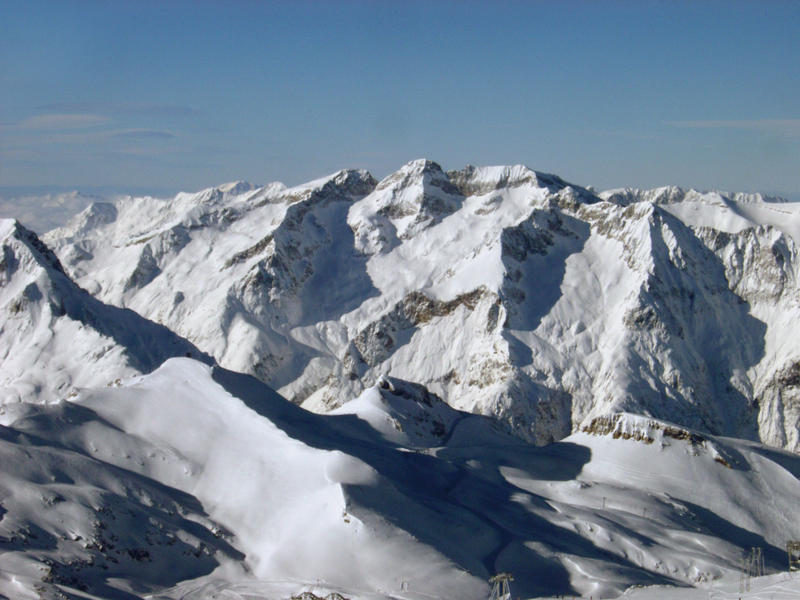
(43, 212)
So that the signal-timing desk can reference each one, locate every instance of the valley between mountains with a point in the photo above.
(399, 388)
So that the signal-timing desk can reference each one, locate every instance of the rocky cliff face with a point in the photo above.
(503, 291)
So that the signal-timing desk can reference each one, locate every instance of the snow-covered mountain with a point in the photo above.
(56, 338)
(626, 328)
(197, 482)
(504, 291)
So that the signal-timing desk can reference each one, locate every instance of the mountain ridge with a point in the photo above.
(322, 288)
(57, 337)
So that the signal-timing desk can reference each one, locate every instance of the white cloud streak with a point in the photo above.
(59, 121)
(46, 137)
(780, 126)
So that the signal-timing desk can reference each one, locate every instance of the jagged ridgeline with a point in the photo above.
(503, 291)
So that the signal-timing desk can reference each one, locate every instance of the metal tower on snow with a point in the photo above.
(793, 551)
(500, 589)
(753, 567)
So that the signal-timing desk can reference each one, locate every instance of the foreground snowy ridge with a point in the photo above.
(195, 480)
(504, 291)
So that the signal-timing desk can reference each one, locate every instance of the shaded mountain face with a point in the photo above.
(504, 291)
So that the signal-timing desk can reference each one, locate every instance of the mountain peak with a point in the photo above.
(38, 250)
(235, 188)
(7, 227)
(355, 181)
(421, 165)
(419, 172)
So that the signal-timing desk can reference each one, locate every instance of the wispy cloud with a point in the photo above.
(58, 121)
(142, 134)
(619, 133)
(151, 110)
(60, 136)
(781, 126)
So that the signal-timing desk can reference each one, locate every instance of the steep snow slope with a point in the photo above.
(199, 473)
(226, 268)
(756, 240)
(55, 337)
(506, 292)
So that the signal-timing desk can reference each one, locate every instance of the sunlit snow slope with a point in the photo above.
(504, 291)
(195, 480)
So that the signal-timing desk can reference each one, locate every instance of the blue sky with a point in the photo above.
(161, 96)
